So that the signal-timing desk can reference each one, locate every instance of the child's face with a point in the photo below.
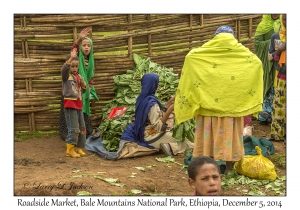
(86, 46)
(208, 181)
(74, 66)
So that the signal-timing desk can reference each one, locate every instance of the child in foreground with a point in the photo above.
(204, 176)
(72, 87)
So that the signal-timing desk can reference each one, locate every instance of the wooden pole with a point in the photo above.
(191, 29)
(29, 114)
(149, 39)
(32, 113)
(26, 44)
(91, 33)
(129, 38)
(238, 30)
(74, 34)
(250, 28)
(201, 20)
(28, 81)
(23, 40)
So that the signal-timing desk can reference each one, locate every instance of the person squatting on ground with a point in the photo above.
(220, 83)
(149, 127)
(277, 54)
(204, 176)
(73, 85)
(269, 24)
(86, 70)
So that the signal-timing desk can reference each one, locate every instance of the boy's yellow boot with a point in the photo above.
(80, 152)
(70, 151)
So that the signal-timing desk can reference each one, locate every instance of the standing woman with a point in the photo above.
(220, 83)
(84, 46)
(277, 54)
(269, 24)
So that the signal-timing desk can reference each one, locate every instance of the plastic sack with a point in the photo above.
(247, 130)
(256, 167)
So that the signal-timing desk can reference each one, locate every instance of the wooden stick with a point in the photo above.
(250, 28)
(129, 38)
(74, 34)
(149, 39)
(201, 20)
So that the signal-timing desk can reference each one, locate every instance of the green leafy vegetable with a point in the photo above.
(83, 193)
(127, 88)
(111, 181)
(134, 191)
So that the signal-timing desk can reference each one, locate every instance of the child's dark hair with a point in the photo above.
(76, 58)
(197, 163)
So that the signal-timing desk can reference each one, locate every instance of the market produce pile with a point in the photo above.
(127, 87)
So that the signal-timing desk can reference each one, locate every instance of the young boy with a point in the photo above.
(72, 87)
(205, 176)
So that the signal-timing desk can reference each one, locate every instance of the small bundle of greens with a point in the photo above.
(127, 87)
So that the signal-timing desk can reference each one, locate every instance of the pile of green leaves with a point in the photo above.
(253, 187)
(127, 87)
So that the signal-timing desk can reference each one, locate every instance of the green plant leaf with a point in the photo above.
(83, 193)
(150, 166)
(165, 159)
(134, 191)
(112, 181)
(140, 168)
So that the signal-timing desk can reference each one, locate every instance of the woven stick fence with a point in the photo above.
(42, 42)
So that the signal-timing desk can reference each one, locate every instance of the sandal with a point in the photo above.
(166, 149)
(271, 138)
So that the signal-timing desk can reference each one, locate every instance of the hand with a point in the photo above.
(81, 78)
(282, 47)
(84, 32)
(82, 82)
(170, 102)
(73, 53)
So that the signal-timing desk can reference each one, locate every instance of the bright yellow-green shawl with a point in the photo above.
(267, 24)
(220, 78)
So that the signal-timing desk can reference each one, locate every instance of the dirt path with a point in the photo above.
(41, 168)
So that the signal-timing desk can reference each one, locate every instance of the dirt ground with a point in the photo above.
(41, 169)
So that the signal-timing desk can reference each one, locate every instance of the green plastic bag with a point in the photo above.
(256, 167)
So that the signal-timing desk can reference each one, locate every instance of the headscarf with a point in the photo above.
(221, 78)
(146, 99)
(224, 29)
(267, 24)
(282, 35)
(282, 32)
(87, 75)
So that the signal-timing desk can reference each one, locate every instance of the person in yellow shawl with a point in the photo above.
(277, 54)
(220, 83)
(269, 24)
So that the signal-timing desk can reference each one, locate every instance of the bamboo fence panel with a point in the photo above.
(43, 41)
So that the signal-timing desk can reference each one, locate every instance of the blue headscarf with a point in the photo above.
(224, 29)
(146, 99)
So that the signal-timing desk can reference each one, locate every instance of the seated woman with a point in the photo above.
(149, 127)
